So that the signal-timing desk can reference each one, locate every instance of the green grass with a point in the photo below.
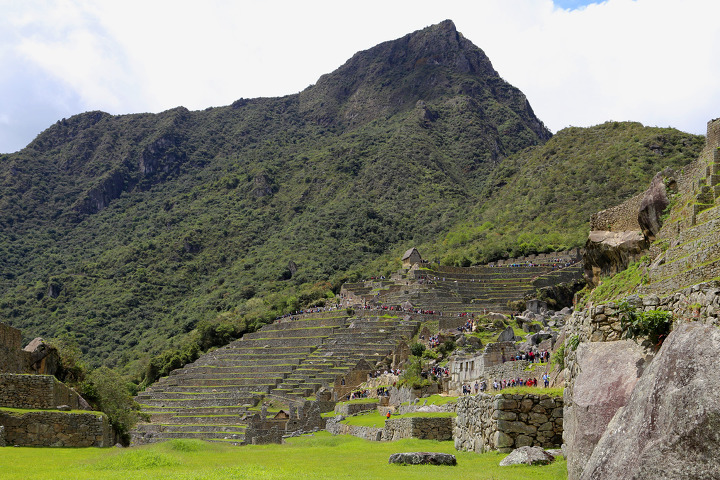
(553, 391)
(308, 457)
(435, 400)
(375, 419)
(22, 411)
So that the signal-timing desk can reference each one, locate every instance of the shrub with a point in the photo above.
(417, 349)
(447, 347)
(655, 325)
(106, 390)
(558, 357)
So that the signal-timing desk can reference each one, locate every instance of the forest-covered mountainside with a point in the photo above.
(122, 233)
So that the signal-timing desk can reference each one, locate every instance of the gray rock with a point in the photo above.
(527, 456)
(507, 335)
(607, 253)
(64, 408)
(654, 203)
(2, 436)
(607, 374)
(423, 458)
(669, 428)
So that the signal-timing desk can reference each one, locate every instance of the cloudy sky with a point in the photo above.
(579, 62)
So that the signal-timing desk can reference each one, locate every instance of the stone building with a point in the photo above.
(411, 257)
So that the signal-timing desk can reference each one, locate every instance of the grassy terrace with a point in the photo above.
(308, 457)
(23, 411)
(375, 419)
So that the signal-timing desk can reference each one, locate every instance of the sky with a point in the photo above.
(579, 62)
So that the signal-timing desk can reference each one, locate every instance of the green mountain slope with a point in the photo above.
(541, 199)
(123, 231)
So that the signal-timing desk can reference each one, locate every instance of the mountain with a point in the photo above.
(541, 198)
(123, 233)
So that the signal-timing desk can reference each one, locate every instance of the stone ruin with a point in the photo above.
(54, 415)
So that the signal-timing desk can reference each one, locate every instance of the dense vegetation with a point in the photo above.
(134, 235)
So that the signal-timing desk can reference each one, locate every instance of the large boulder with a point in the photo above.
(527, 456)
(423, 458)
(507, 335)
(607, 374)
(607, 253)
(669, 427)
(654, 203)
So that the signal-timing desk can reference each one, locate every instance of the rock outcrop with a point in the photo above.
(607, 253)
(607, 373)
(527, 456)
(654, 203)
(669, 427)
(423, 458)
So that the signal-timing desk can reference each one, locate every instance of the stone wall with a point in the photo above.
(57, 429)
(36, 391)
(336, 427)
(621, 218)
(346, 409)
(304, 418)
(12, 358)
(601, 323)
(423, 428)
(504, 422)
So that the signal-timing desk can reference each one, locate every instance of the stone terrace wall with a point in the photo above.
(57, 429)
(12, 358)
(620, 218)
(423, 428)
(601, 323)
(504, 422)
(336, 427)
(35, 391)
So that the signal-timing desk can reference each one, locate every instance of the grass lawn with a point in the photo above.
(435, 400)
(310, 457)
(374, 419)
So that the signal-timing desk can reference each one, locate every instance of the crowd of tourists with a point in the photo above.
(439, 372)
(392, 371)
(482, 386)
(542, 356)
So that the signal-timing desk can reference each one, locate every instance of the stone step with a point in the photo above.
(699, 230)
(245, 349)
(702, 255)
(231, 370)
(320, 322)
(708, 214)
(175, 404)
(300, 332)
(190, 427)
(164, 436)
(309, 341)
(682, 280)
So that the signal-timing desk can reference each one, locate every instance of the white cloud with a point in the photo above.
(647, 60)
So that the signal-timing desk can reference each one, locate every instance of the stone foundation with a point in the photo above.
(36, 391)
(423, 428)
(56, 429)
(505, 422)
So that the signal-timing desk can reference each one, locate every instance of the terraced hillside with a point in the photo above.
(691, 242)
(456, 289)
(286, 361)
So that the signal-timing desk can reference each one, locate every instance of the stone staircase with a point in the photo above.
(692, 241)
(363, 338)
(455, 290)
(214, 397)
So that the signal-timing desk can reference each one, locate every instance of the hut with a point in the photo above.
(411, 257)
